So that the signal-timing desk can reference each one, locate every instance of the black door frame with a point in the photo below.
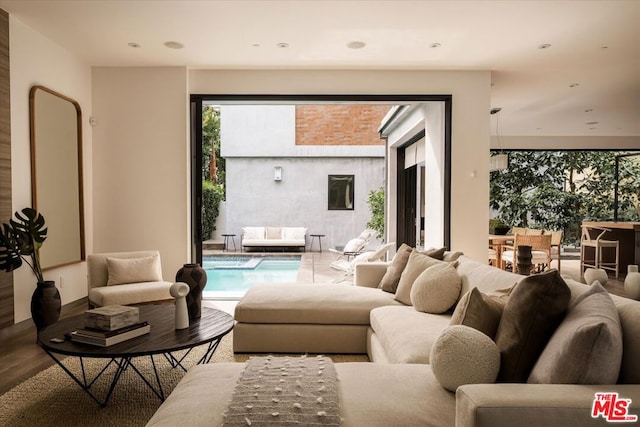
(198, 100)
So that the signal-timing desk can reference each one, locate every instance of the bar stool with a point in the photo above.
(597, 244)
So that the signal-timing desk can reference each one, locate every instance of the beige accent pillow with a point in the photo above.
(389, 282)
(134, 270)
(534, 310)
(587, 346)
(479, 311)
(436, 289)
(415, 266)
(274, 232)
(463, 355)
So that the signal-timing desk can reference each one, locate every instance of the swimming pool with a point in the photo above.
(229, 277)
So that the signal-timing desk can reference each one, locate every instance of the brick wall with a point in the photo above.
(339, 124)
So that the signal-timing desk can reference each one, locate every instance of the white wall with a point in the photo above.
(35, 60)
(470, 124)
(141, 162)
(300, 199)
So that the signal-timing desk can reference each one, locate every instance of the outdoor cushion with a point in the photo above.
(134, 270)
(293, 233)
(587, 346)
(273, 232)
(253, 233)
(132, 293)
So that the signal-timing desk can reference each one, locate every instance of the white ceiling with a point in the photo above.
(595, 44)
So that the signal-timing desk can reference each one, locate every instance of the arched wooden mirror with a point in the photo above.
(56, 174)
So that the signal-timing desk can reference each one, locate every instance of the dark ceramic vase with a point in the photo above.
(45, 304)
(524, 260)
(194, 276)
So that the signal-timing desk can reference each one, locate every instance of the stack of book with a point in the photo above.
(110, 325)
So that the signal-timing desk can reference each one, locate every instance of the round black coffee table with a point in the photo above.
(163, 339)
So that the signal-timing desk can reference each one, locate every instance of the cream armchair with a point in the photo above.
(126, 278)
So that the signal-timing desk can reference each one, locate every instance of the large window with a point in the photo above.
(341, 192)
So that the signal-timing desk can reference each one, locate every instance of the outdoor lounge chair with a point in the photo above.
(353, 246)
(348, 266)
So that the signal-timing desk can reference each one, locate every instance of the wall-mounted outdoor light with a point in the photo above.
(277, 173)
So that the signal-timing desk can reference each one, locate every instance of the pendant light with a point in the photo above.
(501, 160)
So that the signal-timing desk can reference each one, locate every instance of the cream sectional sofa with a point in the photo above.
(274, 237)
(400, 388)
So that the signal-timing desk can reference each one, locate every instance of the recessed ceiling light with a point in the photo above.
(538, 128)
(174, 45)
(591, 123)
(133, 45)
(356, 45)
(283, 45)
(544, 46)
(574, 85)
(588, 110)
(604, 47)
(594, 128)
(435, 45)
(495, 110)
(256, 45)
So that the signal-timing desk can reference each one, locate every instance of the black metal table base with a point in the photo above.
(124, 363)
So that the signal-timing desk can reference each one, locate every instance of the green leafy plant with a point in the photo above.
(212, 195)
(20, 240)
(376, 205)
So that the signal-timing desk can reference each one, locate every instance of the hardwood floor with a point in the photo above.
(21, 357)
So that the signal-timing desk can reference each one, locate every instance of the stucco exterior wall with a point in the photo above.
(257, 138)
(254, 198)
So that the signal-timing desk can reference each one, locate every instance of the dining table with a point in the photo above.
(497, 241)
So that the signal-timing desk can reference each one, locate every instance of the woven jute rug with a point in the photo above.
(52, 398)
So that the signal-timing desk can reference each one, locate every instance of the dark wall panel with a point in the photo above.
(6, 279)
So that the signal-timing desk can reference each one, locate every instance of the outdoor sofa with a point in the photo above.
(404, 387)
(274, 237)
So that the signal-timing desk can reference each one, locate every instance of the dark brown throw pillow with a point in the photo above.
(479, 311)
(435, 253)
(531, 315)
(389, 282)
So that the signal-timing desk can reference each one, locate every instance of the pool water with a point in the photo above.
(231, 277)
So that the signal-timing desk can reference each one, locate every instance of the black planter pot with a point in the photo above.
(194, 276)
(524, 260)
(499, 231)
(45, 304)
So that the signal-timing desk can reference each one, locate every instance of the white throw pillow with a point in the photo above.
(293, 233)
(134, 270)
(253, 233)
(463, 355)
(353, 245)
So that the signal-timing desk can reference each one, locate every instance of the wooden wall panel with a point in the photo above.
(6, 279)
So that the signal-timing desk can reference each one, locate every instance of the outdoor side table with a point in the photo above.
(229, 238)
(313, 237)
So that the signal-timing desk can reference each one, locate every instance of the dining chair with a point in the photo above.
(540, 251)
(598, 244)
